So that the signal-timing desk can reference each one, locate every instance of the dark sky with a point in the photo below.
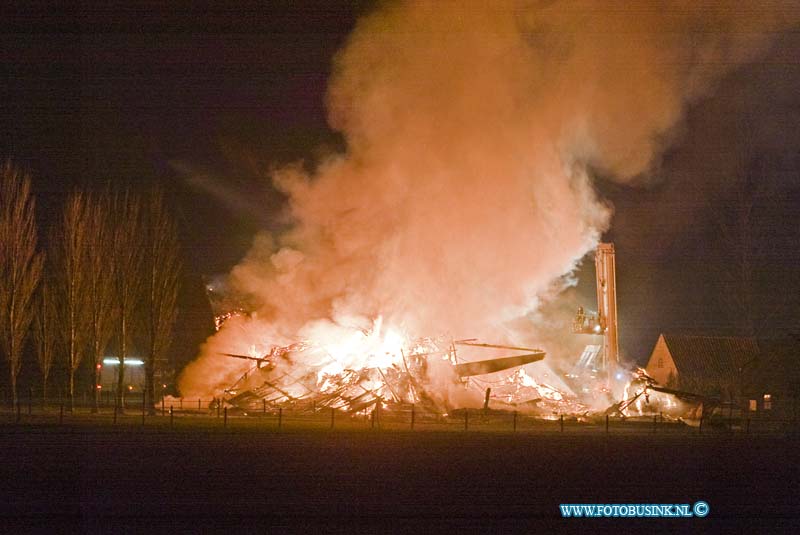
(205, 101)
(738, 148)
(202, 101)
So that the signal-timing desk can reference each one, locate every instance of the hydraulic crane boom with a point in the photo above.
(607, 303)
(605, 321)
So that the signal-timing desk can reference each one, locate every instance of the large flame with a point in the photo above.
(465, 199)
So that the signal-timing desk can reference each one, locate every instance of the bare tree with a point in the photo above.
(750, 196)
(100, 283)
(20, 266)
(161, 268)
(736, 230)
(45, 330)
(73, 238)
(126, 257)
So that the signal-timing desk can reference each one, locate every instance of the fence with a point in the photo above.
(198, 413)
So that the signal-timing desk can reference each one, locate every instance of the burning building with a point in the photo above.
(464, 201)
(391, 373)
(379, 366)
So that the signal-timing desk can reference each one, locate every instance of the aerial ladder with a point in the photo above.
(604, 322)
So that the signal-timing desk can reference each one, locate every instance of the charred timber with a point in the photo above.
(482, 367)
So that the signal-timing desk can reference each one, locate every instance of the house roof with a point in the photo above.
(710, 356)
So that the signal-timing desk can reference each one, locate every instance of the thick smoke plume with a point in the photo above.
(465, 197)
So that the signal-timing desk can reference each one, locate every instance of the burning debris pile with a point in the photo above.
(464, 200)
(375, 368)
(520, 391)
(643, 396)
(306, 374)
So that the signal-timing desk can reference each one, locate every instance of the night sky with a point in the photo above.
(205, 102)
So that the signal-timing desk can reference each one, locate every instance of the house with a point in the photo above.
(707, 365)
(771, 385)
(760, 375)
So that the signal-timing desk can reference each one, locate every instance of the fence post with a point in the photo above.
(747, 428)
(61, 406)
(30, 400)
(561, 422)
(171, 415)
(730, 415)
(180, 404)
(333, 417)
(18, 409)
(655, 424)
(606, 424)
(143, 409)
(373, 418)
(162, 405)
(515, 421)
(700, 429)
(225, 418)
(264, 406)
(280, 418)
(413, 416)
(466, 419)
(198, 404)
(219, 407)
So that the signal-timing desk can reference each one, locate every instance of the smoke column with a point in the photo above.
(465, 196)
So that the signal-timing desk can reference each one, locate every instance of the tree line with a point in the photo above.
(105, 273)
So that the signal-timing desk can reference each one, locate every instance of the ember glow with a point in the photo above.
(465, 198)
(641, 399)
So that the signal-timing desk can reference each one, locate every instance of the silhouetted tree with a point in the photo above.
(73, 238)
(749, 197)
(161, 268)
(20, 267)
(100, 282)
(735, 223)
(126, 255)
(45, 331)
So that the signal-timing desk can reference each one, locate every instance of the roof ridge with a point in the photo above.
(709, 356)
(710, 336)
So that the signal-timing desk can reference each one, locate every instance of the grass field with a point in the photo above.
(101, 477)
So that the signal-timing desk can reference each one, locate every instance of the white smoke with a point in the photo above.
(473, 129)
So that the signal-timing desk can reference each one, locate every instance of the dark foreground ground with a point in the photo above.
(106, 479)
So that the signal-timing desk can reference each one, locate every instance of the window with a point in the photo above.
(767, 402)
(660, 363)
(753, 405)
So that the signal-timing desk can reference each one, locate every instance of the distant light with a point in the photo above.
(597, 329)
(130, 388)
(99, 387)
(618, 376)
(128, 362)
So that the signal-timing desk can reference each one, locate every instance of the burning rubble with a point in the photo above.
(464, 201)
(382, 368)
(644, 397)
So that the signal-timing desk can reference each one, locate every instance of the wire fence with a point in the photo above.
(185, 413)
